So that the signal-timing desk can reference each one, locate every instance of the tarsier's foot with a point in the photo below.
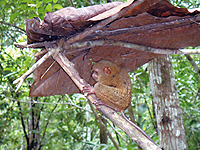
(99, 102)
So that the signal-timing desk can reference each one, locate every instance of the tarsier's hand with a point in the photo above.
(88, 90)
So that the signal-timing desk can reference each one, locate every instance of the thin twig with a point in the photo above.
(115, 130)
(46, 103)
(23, 124)
(80, 46)
(197, 95)
(43, 135)
(12, 25)
(194, 65)
(102, 124)
(197, 69)
(89, 44)
(37, 64)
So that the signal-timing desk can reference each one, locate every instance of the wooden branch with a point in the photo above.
(116, 131)
(190, 51)
(132, 132)
(72, 48)
(12, 25)
(77, 46)
(34, 45)
(102, 124)
(101, 24)
(37, 64)
(88, 44)
(45, 128)
(23, 124)
(192, 62)
(155, 27)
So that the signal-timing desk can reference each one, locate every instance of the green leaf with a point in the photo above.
(23, 7)
(27, 61)
(198, 84)
(38, 4)
(57, 6)
(136, 90)
(41, 10)
(55, 1)
(47, 1)
(2, 2)
(49, 7)
(9, 69)
(13, 16)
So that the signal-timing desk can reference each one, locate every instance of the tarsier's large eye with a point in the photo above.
(107, 70)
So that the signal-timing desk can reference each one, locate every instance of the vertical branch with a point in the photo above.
(103, 125)
(152, 119)
(131, 113)
(45, 128)
(197, 69)
(194, 65)
(23, 125)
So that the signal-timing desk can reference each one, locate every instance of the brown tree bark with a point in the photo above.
(103, 134)
(33, 127)
(113, 116)
(166, 103)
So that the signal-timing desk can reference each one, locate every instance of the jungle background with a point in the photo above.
(66, 121)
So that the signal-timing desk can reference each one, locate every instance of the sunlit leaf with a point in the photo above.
(49, 7)
(47, 1)
(57, 6)
(38, 4)
(55, 1)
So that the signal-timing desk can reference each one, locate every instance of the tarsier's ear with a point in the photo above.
(107, 70)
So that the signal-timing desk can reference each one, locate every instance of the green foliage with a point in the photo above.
(186, 3)
(142, 101)
(187, 86)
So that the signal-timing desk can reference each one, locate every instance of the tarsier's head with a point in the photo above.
(105, 70)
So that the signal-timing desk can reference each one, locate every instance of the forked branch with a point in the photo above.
(38, 63)
(132, 132)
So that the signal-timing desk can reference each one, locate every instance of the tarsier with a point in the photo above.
(113, 88)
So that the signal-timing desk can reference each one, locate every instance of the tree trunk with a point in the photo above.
(103, 133)
(166, 103)
(34, 136)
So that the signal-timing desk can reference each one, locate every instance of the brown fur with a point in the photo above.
(113, 89)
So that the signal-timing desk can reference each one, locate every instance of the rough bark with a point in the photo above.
(33, 127)
(103, 134)
(113, 116)
(166, 103)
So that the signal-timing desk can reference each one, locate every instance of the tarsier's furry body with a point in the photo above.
(113, 88)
